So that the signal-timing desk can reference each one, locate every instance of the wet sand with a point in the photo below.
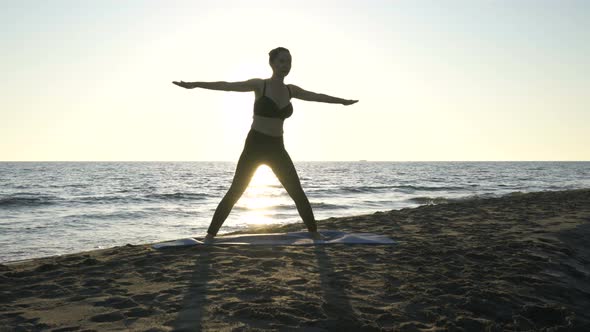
(519, 262)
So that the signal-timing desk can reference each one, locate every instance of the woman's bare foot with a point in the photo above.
(209, 238)
(317, 236)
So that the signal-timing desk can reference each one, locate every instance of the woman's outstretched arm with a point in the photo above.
(249, 85)
(302, 94)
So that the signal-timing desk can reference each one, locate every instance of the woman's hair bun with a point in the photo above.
(274, 53)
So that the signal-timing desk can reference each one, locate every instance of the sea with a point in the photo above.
(55, 208)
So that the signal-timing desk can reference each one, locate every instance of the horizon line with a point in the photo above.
(235, 161)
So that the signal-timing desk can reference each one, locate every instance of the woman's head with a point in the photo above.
(280, 60)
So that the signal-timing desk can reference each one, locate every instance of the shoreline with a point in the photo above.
(518, 261)
(300, 226)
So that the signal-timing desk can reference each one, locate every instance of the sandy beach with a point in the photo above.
(519, 262)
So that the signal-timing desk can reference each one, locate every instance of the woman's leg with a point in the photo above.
(245, 169)
(283, 167)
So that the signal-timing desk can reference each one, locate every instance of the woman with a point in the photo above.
(264, 143)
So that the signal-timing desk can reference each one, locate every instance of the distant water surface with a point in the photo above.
(51, 208)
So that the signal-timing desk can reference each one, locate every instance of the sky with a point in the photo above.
(436, 80)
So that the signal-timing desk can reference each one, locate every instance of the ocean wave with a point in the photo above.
(125, 215)
(73, 185)
(179, 196)
(469, 197)
(105, 199)
(314, 205)
(327, 206)
(350, 189)
(429, 200)
(485, 196)
(26, 200)
(288, 207)
(428, 188)
(102, 199)
(404, 189)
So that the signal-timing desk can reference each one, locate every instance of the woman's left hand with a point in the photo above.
(183, 84)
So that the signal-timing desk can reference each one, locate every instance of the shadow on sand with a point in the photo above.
(194, 304)
(335, 305)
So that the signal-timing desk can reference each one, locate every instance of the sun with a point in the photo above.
(264, 177)
(260, 197)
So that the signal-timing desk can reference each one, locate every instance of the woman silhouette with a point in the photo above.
(264, 143)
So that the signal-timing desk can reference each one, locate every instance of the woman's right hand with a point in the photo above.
(349, 102)
(183, 84)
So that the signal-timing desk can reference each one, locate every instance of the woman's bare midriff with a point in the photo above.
(268, 126)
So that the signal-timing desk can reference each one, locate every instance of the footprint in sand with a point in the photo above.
(108, 317)
(140, 312)
(117, 302)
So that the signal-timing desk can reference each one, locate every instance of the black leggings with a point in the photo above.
(263, 149)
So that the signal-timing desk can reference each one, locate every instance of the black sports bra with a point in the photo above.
(265, 106)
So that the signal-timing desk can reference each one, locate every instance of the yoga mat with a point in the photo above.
(278, 239)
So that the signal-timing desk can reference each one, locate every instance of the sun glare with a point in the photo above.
(260, 196)
(264, 177)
